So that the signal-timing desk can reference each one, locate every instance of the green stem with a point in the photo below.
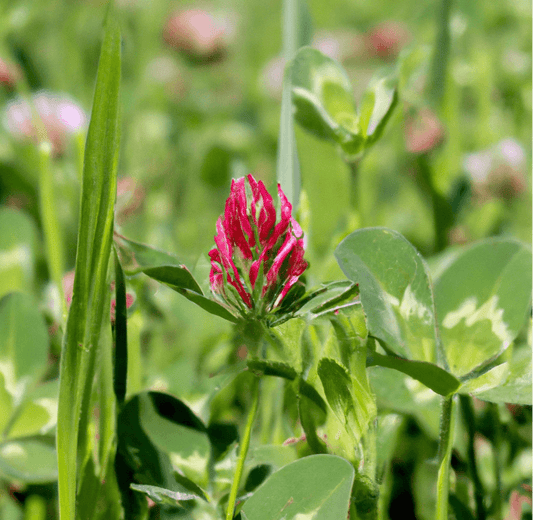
(243, 450)
(355, 191)
(439, 65)
(442, 212)
(51, 228)
(447, 427)
(496, 449)
(470, 421)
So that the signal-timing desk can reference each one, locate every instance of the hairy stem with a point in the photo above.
(243, 449)
(470, 421)
(496, 449)
(447, 426)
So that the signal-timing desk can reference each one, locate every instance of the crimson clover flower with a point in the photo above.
(256, 259)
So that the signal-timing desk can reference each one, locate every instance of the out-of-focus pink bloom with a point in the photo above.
(257, 257)
(340, 45)
(387, 39)
(499, 171)
(9, 74)
(130, 195)
(199, 34)
(60, 117)
(517, 500)
(423, 131)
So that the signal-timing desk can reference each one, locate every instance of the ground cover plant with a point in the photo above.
(265, 261)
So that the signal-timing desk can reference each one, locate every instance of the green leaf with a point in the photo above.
(23, 349)
(514, 385)
(99, 187)
(164, 496)
(312, 412)
(272, 368)
(482, 299)
(18, 237)
(37, 413)
(30, 459)
(120, 335)
(351, 402)
(323, 99)
(377, 106)
(288, 338)
(207, 304)
(172, 429)
(328, 297)
(434, 377)
(165, 268)
(317, 486)
(400, 393)
(395, 290)
(388, 429)
(135, 257)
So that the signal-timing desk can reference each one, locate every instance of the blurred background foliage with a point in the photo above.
(198, 110)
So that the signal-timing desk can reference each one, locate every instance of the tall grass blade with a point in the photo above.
(92, 257)
(296, 33)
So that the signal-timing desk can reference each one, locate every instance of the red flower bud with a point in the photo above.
(256, 260)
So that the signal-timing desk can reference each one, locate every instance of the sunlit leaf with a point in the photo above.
(482, 299)
(395, 290)
(377, 106)
(323, 99)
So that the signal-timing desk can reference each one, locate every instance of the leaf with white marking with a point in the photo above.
(482, 300)
(395, 291)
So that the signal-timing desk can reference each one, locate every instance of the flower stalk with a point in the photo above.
(245, 444)
(447, 427)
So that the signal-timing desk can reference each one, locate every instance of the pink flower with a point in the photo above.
(258, 257)
(423, 131)
(199, 34)
(10, 74)
(60, 118)
(387, 39)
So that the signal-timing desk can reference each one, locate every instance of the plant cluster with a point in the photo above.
(178, 343)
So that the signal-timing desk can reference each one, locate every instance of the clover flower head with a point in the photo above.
(258, 257)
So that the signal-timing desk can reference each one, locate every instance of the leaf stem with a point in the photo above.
(355, 198)
(52, 232)
(442, 213)
(243, 449)
(470, 422)
(439, 65)
(447, 427)
(496, 449)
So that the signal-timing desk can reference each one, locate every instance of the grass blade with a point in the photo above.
(296, 32)
(92, 257)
